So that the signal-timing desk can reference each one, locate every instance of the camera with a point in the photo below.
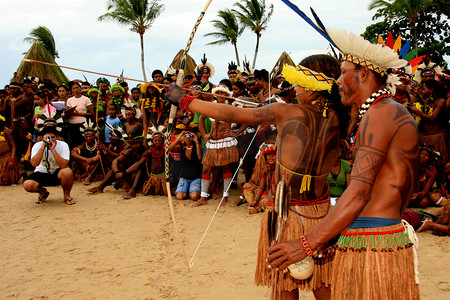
(47, 140)
(189, 135)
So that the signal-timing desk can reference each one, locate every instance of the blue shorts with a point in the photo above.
(188, 186)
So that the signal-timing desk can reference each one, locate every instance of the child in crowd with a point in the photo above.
(111, 120)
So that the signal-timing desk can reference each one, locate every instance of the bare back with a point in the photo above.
(307, 144)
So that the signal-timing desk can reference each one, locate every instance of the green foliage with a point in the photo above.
(45, 37)
(254, 14)
(228, 28)
(140, 14)
(432, 27)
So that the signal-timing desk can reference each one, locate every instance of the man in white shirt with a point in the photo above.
(50, 158)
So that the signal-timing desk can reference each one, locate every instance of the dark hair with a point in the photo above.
(438, 89)
(123, 84)
(48, 129)
(27, 81)
(157, 72)
(196, 82)
(64, 87)
(169, 79)
(41, 94)
(330, 67)
(86, 83)
(188, 77)
(135, 88)
(262, 74)
(226, 82)
(3, 92)
(240, 85)
(115, 106)
(72, 83)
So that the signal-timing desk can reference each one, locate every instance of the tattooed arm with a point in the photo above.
(223, 112)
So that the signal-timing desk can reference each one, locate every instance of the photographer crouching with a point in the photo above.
(50, 157)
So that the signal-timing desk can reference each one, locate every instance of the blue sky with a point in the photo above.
(107, 47)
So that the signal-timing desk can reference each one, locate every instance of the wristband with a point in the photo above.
(306, 246)
(185, 101)
(12, 159)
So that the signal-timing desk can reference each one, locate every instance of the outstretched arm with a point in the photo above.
(224, 112)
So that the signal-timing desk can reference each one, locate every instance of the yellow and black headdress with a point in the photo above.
(307, 78)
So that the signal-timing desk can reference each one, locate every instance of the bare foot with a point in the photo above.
(239, 201)
(87, 180)
(215, 196)
(201, 201)
(425, 225)
(252, 210)
(131, 194)
(96, 189)
(224, 201)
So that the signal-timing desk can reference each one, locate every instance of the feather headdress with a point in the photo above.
(356, 49)
(222, 88)
(129, 105)
(430, 67)
(117, 133)
(307, 78)
(88, 126)
(233, 68)
(50, 119)
(155, 131)
(205, 64)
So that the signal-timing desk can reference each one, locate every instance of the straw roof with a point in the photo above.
(190, 63)
(43, 72)
(284, 59)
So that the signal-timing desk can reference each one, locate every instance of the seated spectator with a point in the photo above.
(132, 126)
(87, 156)
(256, 195)
(116, 144)
(50, 157)
(9, 166)
(191, 166)
(128, 169)
(427, 176)
(437, 220)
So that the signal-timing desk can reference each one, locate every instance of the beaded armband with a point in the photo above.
(185, 101)
(306, 246)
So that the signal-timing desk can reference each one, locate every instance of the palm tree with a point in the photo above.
(228, 30)
(45, 37)
(410, 9)
(255, 15)
(139, 14)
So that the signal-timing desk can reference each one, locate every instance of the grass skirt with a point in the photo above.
(295, 227)
(374, 266)
(221, 152)
(155, 185)
(8, 175)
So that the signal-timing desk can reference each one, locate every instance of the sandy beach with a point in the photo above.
(105, 247)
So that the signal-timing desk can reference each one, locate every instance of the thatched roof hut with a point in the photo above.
(41, 71)
(190, 63)
(284, 59)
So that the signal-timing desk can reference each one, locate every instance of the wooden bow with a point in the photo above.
(173, 111)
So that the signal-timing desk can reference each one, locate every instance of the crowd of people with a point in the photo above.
(106, 134)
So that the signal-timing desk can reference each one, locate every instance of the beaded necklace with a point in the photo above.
(91, 149)
(373, 99)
